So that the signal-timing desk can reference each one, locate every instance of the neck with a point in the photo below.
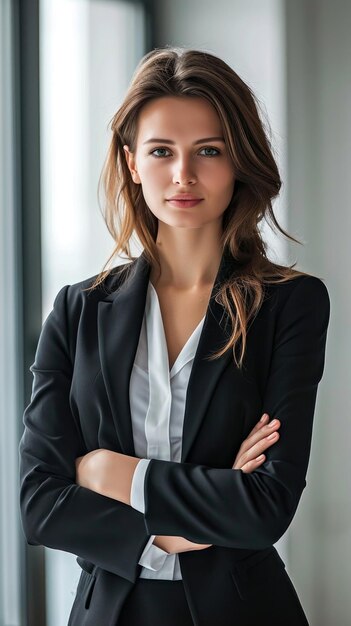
(189, 258)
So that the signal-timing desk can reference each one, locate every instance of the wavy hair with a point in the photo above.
(182, 72)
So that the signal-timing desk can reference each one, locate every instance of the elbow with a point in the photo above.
(277, 528)
(36, 524)
(280, 493)
(277, 521)
(31, 519)
(36, 502)
(270, 509)
(264, 532)
(30, 525)
(29, 534)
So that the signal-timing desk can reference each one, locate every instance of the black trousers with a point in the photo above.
(156, 603)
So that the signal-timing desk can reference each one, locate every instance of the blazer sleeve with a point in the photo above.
(230, 508)
(55, 511)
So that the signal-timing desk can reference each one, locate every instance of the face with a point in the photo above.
(180, 151)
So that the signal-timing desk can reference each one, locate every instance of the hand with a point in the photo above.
(248, 459)
(250, 454)
(97, 470)
(174, 545)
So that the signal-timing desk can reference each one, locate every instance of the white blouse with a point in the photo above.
(157, 401)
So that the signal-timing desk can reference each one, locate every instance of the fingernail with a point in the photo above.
(272, 436)
(264, 416)
(259, 458)
(272, 423)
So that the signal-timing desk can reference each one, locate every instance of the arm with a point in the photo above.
(250, 456)
(56, 512)
(98, 470)
(234, 509)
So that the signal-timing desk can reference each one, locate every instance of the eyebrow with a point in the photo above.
(172, 143)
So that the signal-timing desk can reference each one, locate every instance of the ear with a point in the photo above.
(130, 158)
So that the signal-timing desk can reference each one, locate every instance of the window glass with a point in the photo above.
(88, 51)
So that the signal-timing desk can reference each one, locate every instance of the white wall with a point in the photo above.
(319, 104)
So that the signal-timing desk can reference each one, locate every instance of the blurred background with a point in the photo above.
(64, 68)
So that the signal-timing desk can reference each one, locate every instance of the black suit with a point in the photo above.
(80, 402)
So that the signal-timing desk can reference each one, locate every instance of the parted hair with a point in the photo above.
(180, 72)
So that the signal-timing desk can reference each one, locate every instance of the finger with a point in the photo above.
(262, 445)
(250, 466)
(252, 453)
(263, 432)
(261, 422)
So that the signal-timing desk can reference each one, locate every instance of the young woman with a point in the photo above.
(168, 434)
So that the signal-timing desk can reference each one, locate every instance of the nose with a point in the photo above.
(184, 173)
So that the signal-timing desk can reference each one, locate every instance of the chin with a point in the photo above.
(185, 223)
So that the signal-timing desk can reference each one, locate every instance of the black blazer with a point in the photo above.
(80, 402)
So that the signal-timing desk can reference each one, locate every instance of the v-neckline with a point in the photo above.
(187, 351)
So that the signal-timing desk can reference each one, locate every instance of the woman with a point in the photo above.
(143, 451)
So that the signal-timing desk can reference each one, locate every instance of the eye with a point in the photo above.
(158, 156)
(213, 149)
(213, 152)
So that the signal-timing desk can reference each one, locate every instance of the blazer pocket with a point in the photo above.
(256, 571)
(86, 582)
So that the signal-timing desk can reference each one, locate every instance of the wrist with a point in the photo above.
(162, 542)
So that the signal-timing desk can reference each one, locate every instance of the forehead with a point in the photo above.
(168, 117)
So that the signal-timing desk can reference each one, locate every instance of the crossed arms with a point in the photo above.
(224, 507)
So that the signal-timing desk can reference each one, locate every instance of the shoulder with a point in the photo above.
(76, 296)
(114, 279)
(299, 285)
(304, 295)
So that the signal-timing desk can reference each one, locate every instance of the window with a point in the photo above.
(88, 51)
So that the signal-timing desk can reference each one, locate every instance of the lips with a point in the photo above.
(184, 204)
(184, 200)
(184, 196)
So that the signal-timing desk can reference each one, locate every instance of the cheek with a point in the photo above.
(218, 172)
(230, 184)
(150, 174)
(228, 180)
(153, 186)
(221, 181)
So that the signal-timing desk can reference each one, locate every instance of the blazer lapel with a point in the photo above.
(204, 373)
(120, 317)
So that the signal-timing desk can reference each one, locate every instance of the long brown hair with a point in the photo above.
(178, 72)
